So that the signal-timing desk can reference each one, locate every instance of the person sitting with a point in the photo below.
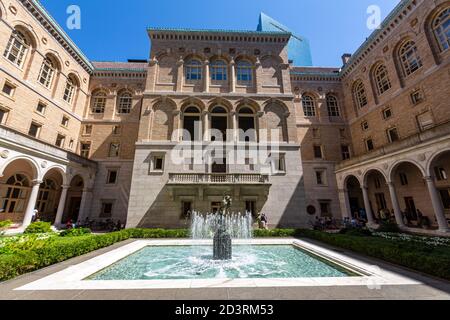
(263, 221)
(69, 224)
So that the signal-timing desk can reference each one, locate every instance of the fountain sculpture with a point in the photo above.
(222, 238)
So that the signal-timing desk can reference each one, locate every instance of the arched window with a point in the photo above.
(333, 106)
(17, 48)
(309, 106)
(219, 124)
(359, 94)
(409, 58)
(124, 102)
(46, 196)
(381, 78)
(441, 29)
(47, 72)
(193, 70)
(244, 72)
(14, 200)
(219, 70)
(191, 124)
(98, 102)
(247, 125)
(69, 90)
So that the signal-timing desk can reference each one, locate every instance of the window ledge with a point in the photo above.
(20, 68)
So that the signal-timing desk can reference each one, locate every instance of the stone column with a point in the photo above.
(31, 203)
(206, 133)
(437, 205)
(85, 205)
(395, 204)
(369, 212)
(232, 76)
(206, 77)
(235, 115)
(180, 74)
(258, 76)
(345, 203)
(61, 206)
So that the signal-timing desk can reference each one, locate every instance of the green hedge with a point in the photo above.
(39, 227)
(432, 260)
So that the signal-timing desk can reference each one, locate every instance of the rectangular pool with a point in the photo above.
(195, 262)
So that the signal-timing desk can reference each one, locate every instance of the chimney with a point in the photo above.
(346, 58)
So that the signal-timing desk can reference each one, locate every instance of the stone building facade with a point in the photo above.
(102, 140)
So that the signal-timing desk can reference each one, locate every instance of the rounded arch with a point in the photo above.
(28, 32)
(393, 168)
(32, 163)
(220, 102)
(369, 171)
(163, 119)
(219, 57)
(74, 78)
(435, 156)
(276, 58)
(350, 176)
(3, 12)
(275, 118)
(248, 103)
(192, 101)
(193, 109)
(55, 58)
(245, 58)
(99, 91)
(194, 56)
(77, 181)
(60, 170)
(277, 102)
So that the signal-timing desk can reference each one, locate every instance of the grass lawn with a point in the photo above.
(26, 253)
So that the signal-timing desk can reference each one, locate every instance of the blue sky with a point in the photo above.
(115, 30)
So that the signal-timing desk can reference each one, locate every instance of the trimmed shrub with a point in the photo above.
(356, 232)
(77, 232)
(5, 224)
(433, 260)
(390, 227)
(275, 233)
(39, 227)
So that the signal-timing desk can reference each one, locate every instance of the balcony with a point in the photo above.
(217, 179)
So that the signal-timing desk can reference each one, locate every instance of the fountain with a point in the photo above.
(222, 239)
(222, 227)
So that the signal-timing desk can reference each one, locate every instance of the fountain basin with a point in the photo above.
(197, 262)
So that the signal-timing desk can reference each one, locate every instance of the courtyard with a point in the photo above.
(89, 271)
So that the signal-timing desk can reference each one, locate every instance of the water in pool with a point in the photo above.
(174, 263)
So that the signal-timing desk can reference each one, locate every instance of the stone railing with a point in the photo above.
(438, 131)
(217, 178)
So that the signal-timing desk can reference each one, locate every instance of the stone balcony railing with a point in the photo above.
(438, 131)
(217, 178)
(9, 135)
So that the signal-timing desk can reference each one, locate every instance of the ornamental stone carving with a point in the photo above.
(44, 164)
(4, 154)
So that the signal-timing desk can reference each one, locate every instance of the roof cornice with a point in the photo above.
(218, 35)
(386, 27)
(50, 24)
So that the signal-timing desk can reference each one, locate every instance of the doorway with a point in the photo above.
(74, 208)
(411, 207)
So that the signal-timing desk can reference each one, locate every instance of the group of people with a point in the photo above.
(323, 223)
(384, 215)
